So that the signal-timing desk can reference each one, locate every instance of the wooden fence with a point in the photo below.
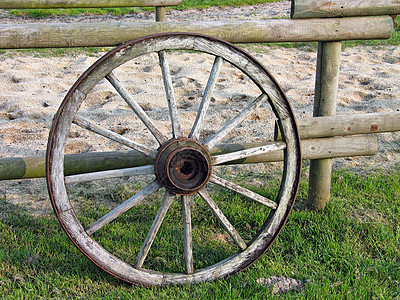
(260, 31)
(23, 4)
(305, 9)
(316, 20)
(326, 85)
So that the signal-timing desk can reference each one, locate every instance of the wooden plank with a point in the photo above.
(91, 126)
(325, 99)
(333, 147)
(22, 4)
(303, 9)
(151, 235)
(136, 108)
(327, 78)
(169, 91)
(215, 139)
(328, 126)
(56, 35)
(205, 101)
(187, 234)
(123, 207)
(137, 171)
(34, 167)
(160, 14)
(243, 191)
(242, 154)
(230, 229)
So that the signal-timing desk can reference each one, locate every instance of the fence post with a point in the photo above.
(325, 99)
(160, 13)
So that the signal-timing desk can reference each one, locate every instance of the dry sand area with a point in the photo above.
(32, 87)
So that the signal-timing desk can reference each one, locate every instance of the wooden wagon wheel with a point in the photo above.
(184, 164)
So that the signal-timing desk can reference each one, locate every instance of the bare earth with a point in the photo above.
(33, 87)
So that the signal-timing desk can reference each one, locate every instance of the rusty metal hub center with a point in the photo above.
(183, 166)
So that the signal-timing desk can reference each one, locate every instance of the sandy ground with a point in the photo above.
(32, 87)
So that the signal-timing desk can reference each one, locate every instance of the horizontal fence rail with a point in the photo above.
(334, 147)
(23, 4)
(329, 126)
(56, 35)
(303, 9)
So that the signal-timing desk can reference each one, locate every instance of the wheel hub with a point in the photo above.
(183, 166)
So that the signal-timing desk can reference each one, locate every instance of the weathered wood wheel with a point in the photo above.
(184, 167)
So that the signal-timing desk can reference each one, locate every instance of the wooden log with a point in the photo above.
(22, 4)
(34, 167)
(324, 148)
(187, 234)
(310, 128)
(325, 99)
(303, 9)
(327, 78)
(45, 35)
(160, 14)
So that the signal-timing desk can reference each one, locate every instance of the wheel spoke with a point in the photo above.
(221, 217)
(136, 108)
(119, 210)
(187, 235)
(168, 199)
(195, 133)
(235, 121)
(243, 191)
(242, 154)
(169, 90)
(145, 170)
(113, 136)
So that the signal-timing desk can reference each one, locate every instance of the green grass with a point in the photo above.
(185, 4)
(54, 52)
(43, 13)
(349, 251)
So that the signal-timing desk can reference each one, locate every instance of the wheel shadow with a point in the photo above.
(35, 248)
